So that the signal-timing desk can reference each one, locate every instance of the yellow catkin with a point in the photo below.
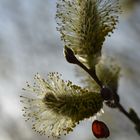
(55, 106)
(84, 25)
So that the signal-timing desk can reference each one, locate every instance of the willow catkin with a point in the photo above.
(56, 106)
(84, 25)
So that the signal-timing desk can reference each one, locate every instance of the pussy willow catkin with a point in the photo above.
(77, 106)
(84, 25)
(56, 106)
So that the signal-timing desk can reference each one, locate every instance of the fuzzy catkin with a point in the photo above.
(55, 106)
(84, 25)
(77, 107)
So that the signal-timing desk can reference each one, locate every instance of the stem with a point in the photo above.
(112, 102)
(121, 108)
(132, 116)
(70, 57)
(91, 73)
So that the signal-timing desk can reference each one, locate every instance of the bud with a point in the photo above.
(100, 130)
(69, 55)
(106, 93)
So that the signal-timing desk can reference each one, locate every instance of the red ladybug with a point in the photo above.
(100, 130)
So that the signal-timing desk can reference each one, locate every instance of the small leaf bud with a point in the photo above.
(106, 93)
(69, 55)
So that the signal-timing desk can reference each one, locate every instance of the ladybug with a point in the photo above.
(100, 130)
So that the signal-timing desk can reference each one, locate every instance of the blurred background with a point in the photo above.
(29, 43)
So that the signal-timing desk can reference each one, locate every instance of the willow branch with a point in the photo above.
(70, 57)
(114, 101)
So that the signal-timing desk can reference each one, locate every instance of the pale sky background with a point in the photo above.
(29, 43)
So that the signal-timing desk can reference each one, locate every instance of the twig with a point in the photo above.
(91, 73)
(132, 116)
(70, 57)
(113, 101)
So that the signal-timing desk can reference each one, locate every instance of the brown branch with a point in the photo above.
(113, 101)
(132, 116)
(70, 57)
(91, 73)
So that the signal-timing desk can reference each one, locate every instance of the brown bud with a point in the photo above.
(106, 93)
(69, 55)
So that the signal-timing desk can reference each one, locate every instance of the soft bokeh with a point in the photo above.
(29, 43)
